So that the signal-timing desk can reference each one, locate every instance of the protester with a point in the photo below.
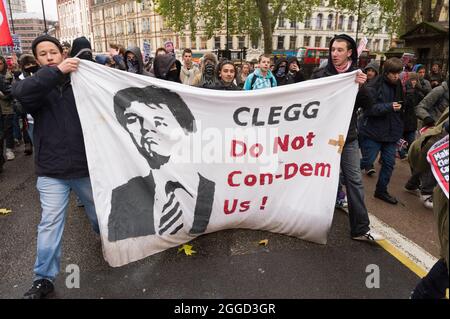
(189, 70)
(423, 85)
(207, 78)
(372, 70)
(66, 49)
(117, 54)
(134, 62)
(7, 110)
(342, 58)
(61, 164)
(435, 76)
(166, 68)
(81, 48)
(280, 71)
(243, 74)
(435, 284)
(226, 76)
(262, 77)
(382, 125)
(294, 75)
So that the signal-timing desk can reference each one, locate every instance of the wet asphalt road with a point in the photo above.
(228, 264)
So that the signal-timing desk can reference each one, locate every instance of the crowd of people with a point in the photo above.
(395, 105)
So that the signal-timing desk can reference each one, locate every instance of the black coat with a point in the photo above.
(380, 122)
(412, 98)
(58, 138)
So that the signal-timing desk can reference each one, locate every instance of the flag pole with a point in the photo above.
(10, 15)
(43, 13)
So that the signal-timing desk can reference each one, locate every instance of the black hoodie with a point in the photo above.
(79, 44)
(362, 98)
(137, 53)
(162, 65)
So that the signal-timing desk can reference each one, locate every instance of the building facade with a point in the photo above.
(74, 17)
(30, 25)
(130, 23)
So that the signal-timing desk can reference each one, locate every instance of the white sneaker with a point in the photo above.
(9, 154)
(371, 235)
(427, 201)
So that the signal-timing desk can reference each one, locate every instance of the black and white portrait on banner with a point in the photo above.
(137, 208)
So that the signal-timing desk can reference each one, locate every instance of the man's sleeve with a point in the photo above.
(423, 108)
(376, 108)
(31, 91)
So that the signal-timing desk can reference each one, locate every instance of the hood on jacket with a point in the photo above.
(374, 66)
(81, 44)
(137, 52)
(278, 63)
(211, 57)
(293, 59)
(354, 56)
(162, 64)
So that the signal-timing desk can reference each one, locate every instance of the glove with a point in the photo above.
(428, 121)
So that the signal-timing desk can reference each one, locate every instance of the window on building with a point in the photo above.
(230, 42)
(327, 41)
(330, 22)
(280, 43)
(306, 41)
(292, 43)
(341, 23)
(351, 19)
(308, 21)
(203, 43)
(281, 22)
(385, 45)
(294, 24)
(319, 21)
(217, 43)
(130, 7)
(241, 42)
(317, 42)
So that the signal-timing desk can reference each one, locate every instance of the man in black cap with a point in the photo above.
(81, 48)
(343, 58)
(60, 160)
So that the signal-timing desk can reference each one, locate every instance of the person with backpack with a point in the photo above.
(262, 77)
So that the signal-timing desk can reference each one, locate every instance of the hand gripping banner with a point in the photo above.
(169, 162)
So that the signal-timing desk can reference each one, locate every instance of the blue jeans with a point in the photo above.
(54, 197)
(388, 150)
(359, 219)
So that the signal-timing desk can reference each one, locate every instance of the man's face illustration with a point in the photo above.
(151, 127)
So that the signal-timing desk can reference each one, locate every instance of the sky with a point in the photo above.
(49, 6)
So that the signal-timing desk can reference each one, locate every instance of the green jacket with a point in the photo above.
(417, 156)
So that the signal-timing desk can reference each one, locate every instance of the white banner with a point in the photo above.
(169, 162)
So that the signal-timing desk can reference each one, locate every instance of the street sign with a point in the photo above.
(147, 50)
(17, 43)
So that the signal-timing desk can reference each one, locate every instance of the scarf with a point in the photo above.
(344, 68)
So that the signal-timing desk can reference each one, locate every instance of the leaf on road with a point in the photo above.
(5, 211)
(187, 250)
(263, 242)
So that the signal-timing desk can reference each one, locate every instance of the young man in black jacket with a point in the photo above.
(60, 156)
(342, 58)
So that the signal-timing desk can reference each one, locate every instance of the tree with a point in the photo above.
(244, 16)
(414, 12)
(253, 16)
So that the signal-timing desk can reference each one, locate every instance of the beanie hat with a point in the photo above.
(81, 44)
(43, 38)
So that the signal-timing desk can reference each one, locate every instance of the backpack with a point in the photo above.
(254, 80)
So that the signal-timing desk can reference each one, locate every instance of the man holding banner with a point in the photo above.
(60, 158)
(343, 58)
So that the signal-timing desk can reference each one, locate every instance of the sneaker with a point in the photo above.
(40, 289)
(370, 236)
(341, 200)
(386, 197)
(370, 171)
(427, 201)
(9, 154)
(413, 189)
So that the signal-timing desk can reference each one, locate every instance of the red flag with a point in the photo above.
(5, 35)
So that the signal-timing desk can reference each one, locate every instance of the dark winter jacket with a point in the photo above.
(380, 122)
(280, 72)
(294, 77)
(362, 98)
(221, 86)
(412, 98)
(58, 138)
